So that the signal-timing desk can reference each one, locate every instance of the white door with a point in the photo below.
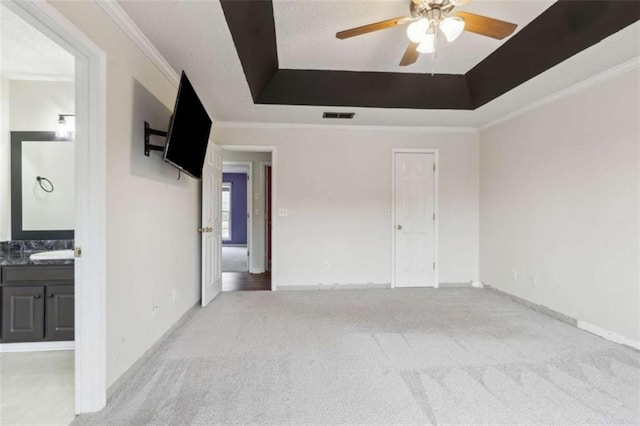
(211, 224)
(414, 216)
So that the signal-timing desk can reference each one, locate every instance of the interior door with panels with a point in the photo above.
(414, 213)
(22, 313)
(211, 224)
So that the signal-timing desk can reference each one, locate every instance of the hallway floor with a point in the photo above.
(235, 259)
(421, 356)
(244, 281)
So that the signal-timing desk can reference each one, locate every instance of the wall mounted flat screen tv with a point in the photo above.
(188, 134)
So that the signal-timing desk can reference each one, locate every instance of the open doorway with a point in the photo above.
(37, 224)
(236, 222)
(245, 217)
(71, 303)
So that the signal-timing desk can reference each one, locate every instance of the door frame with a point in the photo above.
(436, 248)
(249, 165)
(263, 172)
(90, 229)
(274, 161)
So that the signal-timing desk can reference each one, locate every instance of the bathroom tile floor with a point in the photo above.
(37, 388)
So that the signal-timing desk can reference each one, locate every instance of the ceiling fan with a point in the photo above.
(429, 15)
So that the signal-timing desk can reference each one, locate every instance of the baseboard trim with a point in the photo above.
(609, 335)
(317, 287)
(115, 386)
(256, 271)
(536, 307)
(37, 346)
(466, 284)
(582, 325)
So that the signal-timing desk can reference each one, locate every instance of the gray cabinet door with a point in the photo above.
(22, 314)
(60, 305)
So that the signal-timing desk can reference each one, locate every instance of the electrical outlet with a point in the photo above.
(154, 308)
(326, 265)
(283, 212)
(514, 275)
(533, 280)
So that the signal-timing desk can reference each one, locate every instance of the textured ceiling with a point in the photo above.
(305, 33)
(194, 36)
(27, 54)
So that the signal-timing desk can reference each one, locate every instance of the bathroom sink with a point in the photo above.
(51, 255)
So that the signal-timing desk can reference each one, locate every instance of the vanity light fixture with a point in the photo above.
(64, 129)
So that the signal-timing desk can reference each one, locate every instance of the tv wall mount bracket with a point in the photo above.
(148, 132)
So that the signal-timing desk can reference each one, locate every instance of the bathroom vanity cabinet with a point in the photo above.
(37, 303)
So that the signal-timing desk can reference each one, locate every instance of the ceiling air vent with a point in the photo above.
(339, 115)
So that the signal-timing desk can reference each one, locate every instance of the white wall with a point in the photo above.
(35, 105)
(560, 202)
(336, 186)
(258, 186)
(153, 247)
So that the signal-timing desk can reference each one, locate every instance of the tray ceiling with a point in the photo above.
(195, 37)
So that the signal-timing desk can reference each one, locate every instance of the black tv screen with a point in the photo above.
(188, 133)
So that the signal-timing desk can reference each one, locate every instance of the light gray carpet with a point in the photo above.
(378, 357)
(235, 259)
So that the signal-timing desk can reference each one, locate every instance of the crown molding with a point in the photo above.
(120, 17)
(268, 126)
(590, 82)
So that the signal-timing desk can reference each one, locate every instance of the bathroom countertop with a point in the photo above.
(22, 258)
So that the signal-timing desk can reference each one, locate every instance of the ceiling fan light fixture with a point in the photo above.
(452, 27)
(416, 30)
(427, 44)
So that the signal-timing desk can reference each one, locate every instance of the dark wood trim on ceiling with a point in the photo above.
(366, 89)
(254, 35)
(563, 30)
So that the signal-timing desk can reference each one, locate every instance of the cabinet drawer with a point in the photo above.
(39, 273)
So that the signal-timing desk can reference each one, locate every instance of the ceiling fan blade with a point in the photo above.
(410, 55)
(382, 25)
(486, 26)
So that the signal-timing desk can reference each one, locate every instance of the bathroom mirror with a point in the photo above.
(42, 186)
